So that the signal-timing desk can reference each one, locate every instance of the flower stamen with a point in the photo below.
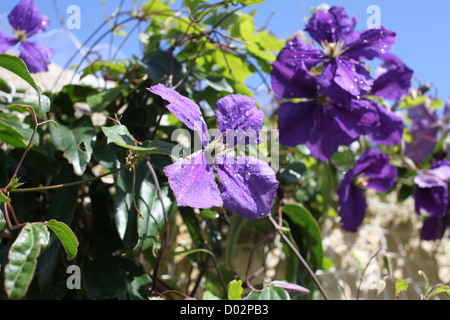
(333, 49)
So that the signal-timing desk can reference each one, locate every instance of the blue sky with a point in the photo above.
(422, 28)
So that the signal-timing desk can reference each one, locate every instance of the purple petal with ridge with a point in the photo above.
(238, 116)
(25, 16)
(36, 56)
(193, 182)
(184, 109)
(247, 185)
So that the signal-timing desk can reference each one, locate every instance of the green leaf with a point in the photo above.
(66, 236)
(138, 280)
(23, 258)
(123, 138)
(306, 232)
(251, 2)
(208, 295)
(18, 67)
(193, 4)
(4, 198)
(139, 233)
(4, 86)
(440, 289)
(160, 64)
(410, 102)
(98, 101)
(235, 290)
(113, 67)
(269, 293)
(219, 84)
(2, 222)
(151, 208)
(188, 252)
(436, 104)
(293, 172)
(16, 133)
(400, 285)
(76, 142)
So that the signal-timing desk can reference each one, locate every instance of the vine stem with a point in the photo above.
(299, 256)
(364, 271)
(166, 219)
(66, 185)
(247, 280)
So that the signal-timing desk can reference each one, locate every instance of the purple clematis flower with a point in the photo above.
(431, 193)
(211, 177)
(424, 131)
(26, 22)
(431, 198)
(395, 81)
(343, 75)
(323, 124)
(372, 170)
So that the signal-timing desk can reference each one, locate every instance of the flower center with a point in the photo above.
(333, 49)
(361, 181)
(216, 147)
(21, 35)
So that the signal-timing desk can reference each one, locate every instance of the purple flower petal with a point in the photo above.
(390, 130)
(239, 117)
(372, 43)
(25, 17)
(329, 132)
(343, 80)
(352, 77)
(292, 83)
(330, 25)
(433, 200)
(186, 110)
(435, 177)
(431, 192)
(395, 82)
(296, 53)
(352, 204)
(433, 228)
(424, 132)
(6, 42)
(329, 87)
(375, 167)
(35, 56)
(292, 288)
(295, 121)
(322, 128)
(193, 182)
(368, 115)
(247, 185)
(372, 170)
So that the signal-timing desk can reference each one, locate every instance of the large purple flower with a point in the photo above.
(343, 75)
(431, 199)
(26, 22)
(372, 170)
(425, 126)
(323, 124)
(211, 177)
